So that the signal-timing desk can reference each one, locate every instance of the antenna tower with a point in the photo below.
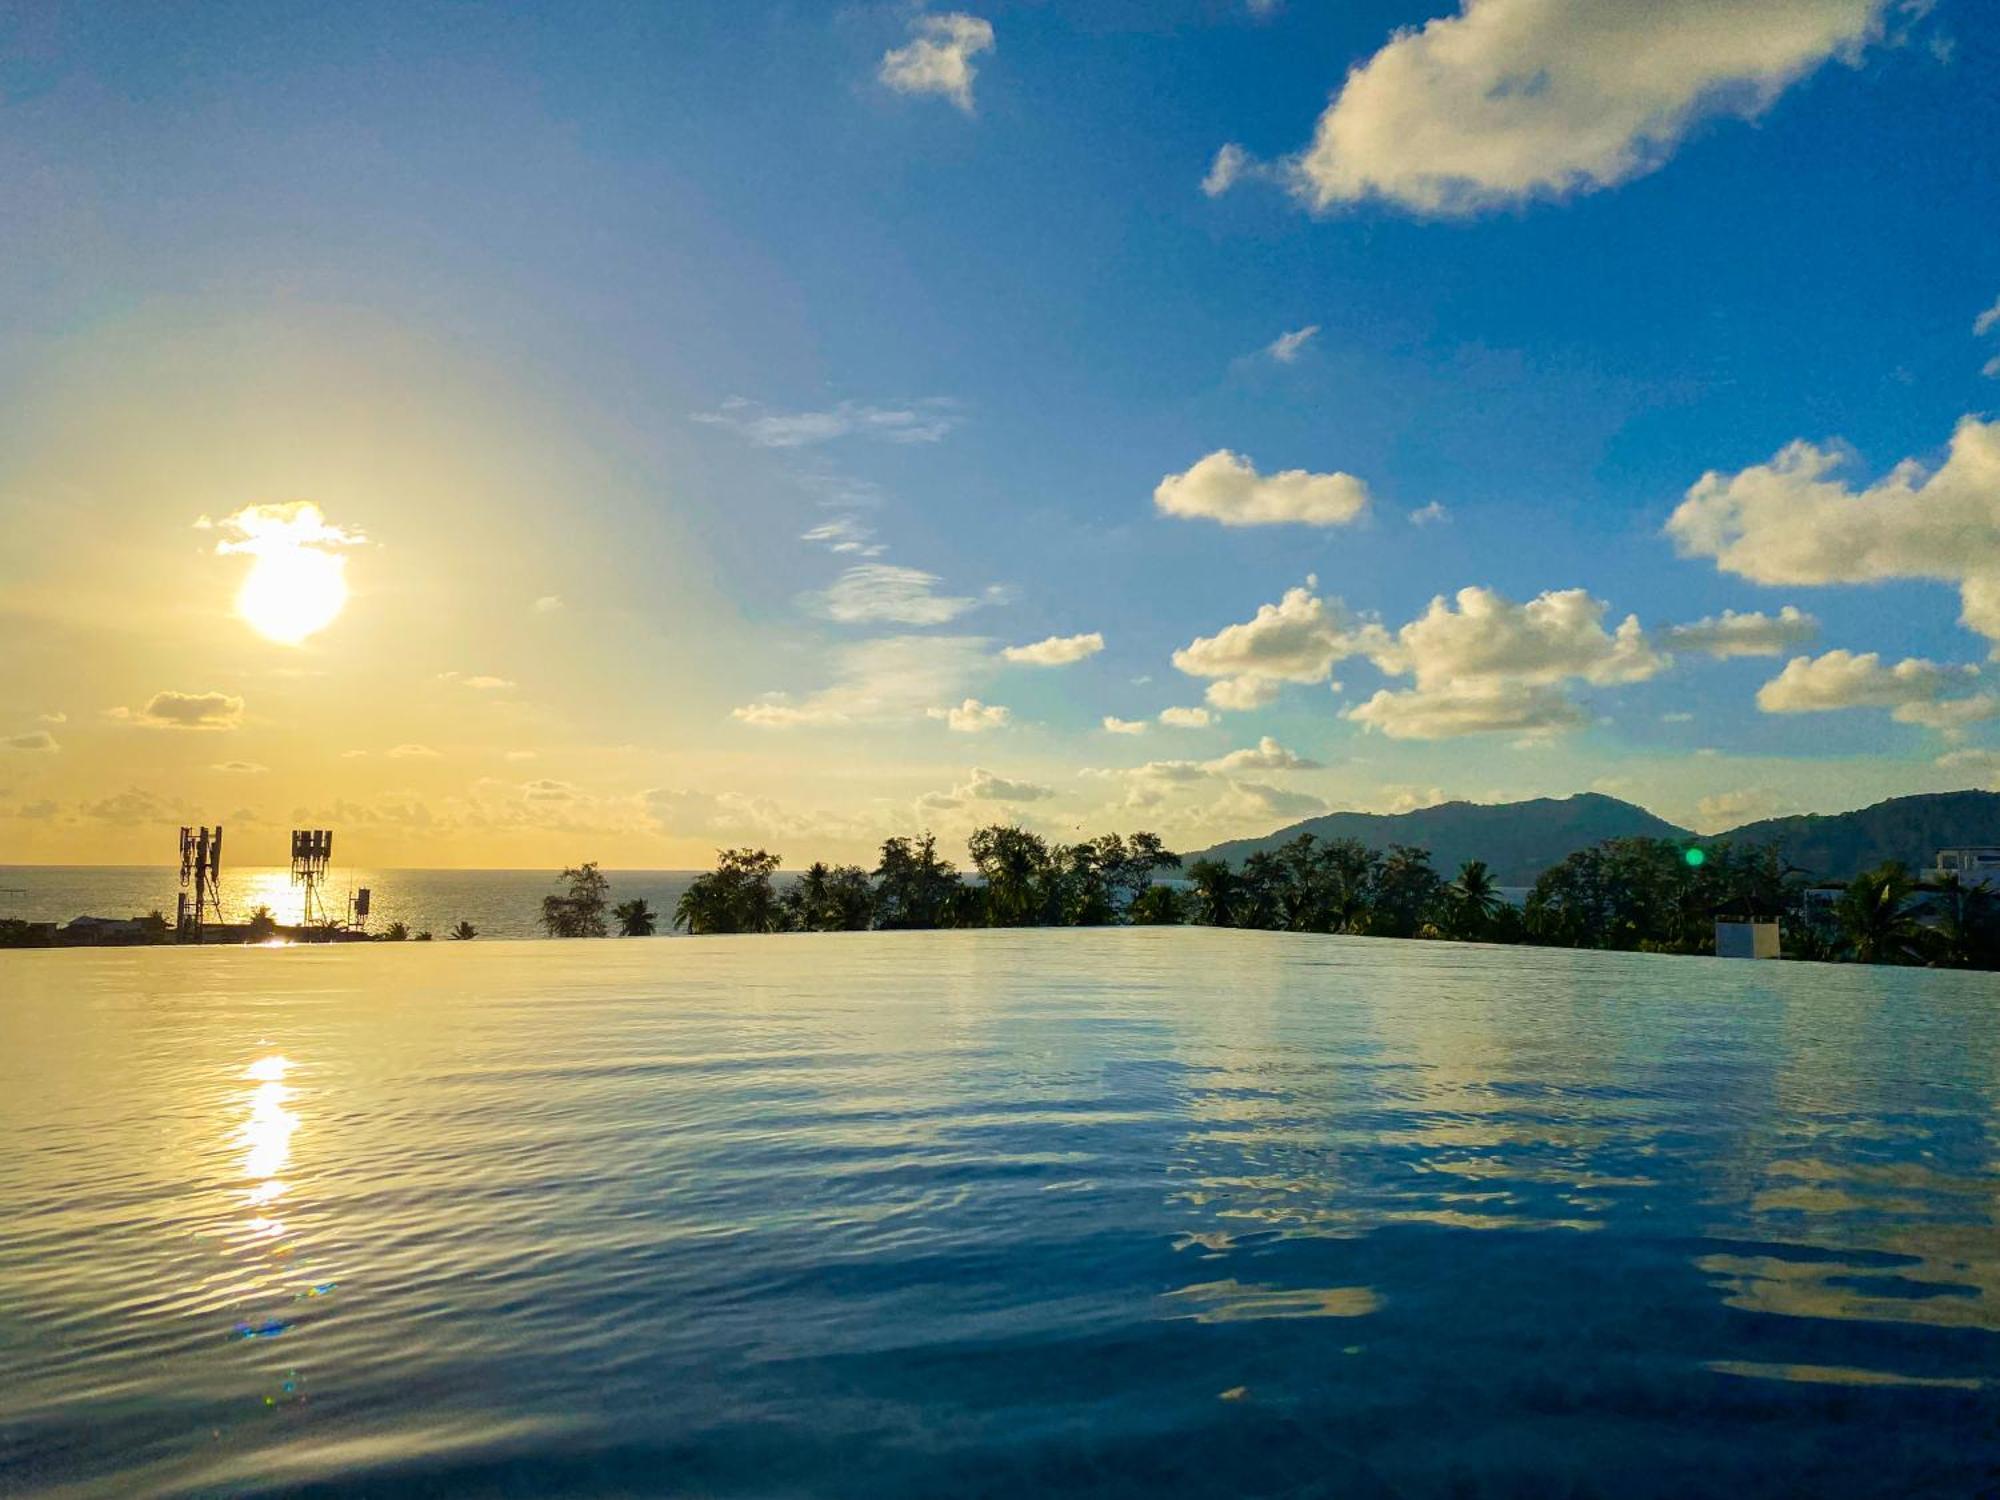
(312, 852)
(201, 873)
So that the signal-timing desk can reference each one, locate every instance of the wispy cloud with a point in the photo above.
(927, 420)
(887, 680)
(886, 592)
(1287, 347)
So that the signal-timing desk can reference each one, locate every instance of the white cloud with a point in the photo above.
(1186, 718)
(845, 535)
(684, 813)
(1226, 170)
(1913, 688)
(1226, 487)
(938, 59)
(883, 591)
(1254, 799)
(928, 420)
(1429, 515)
(35, 741)
(1455, 709)
(1298, 639)
(58, 717)
(172, 710)
(240, 768)
(1287, 347)
(1241, 694)
(1987, 321)
(1725, 810)
(1056, 651)
(1951, 717)
(1266, 755)
(280, 527)
(412, 752)
(1555, 635)
(878, 681)
(519, 755)
(548, 604)
(972, 716)
(479, 682)
(1115, 725)
(984, 786)
(1982, 766)
(1482, 664)
(1749, 634)
(1512, 100)
(1792, 521)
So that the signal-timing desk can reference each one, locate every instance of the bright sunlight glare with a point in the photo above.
(297, 583)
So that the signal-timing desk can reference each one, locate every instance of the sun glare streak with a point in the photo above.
(297, 583)
(267, 1135)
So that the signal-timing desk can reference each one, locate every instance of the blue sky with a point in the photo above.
(529, 297)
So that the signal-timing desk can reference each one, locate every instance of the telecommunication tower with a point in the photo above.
(201, 872)
(312, 852)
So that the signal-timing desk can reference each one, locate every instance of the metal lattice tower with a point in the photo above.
(312, 852)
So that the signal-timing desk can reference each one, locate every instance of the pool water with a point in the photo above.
(1108, 1213)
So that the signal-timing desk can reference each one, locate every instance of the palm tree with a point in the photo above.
(1473, 898)
(635, 918)
(396, 932)
(1876, 917)
(1967, 930)
(464, 932)
(262, 926)
(1215, 891)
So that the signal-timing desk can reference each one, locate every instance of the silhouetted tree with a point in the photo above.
(1876, 917)
(395, 932)
(1020, 877)
(1160, 906)
(913, 886)
(1966, 932)
(635, 918)
(261, 927)
(1470, 902)
(465, 932)
(829, 899)
(579, 911)
(1214, 887)
(736, 896)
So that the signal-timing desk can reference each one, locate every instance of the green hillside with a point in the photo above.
(1519, 840)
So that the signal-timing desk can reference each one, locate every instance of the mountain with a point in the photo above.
(1911, 829)
(1518, 840)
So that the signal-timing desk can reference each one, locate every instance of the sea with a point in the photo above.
(498, 903)
(1109, 1213)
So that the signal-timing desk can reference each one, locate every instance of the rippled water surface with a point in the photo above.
(1049, 1213)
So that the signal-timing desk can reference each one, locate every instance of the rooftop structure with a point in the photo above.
(1975, 864)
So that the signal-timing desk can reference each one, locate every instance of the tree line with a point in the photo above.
(1631, 894)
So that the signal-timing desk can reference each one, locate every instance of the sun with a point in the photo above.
(291, 594)
(297, 583)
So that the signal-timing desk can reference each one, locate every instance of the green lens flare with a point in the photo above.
(1694, 856)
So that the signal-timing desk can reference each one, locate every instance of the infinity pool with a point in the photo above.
(1128, 1212)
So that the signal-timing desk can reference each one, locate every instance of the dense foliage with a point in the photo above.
(1635, 894)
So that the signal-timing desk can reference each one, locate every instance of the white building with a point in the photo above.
(1746, 937)
(1977, 864)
